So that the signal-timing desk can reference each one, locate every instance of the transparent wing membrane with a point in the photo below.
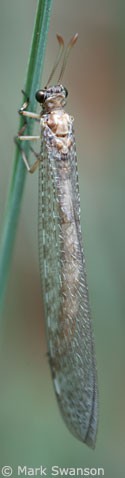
(63, 274)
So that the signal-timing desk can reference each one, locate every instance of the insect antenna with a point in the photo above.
(58, 58)
(68, 48)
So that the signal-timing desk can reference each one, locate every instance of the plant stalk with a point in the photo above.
(33, 77)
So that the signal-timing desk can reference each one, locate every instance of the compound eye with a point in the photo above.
(40, 96)
(66, 92)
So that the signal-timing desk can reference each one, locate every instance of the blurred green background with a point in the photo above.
(31, 429)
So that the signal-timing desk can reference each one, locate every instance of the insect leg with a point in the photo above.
(22, 111)
(29, 114)
(27, 138)
(29, 168)
(22, 137)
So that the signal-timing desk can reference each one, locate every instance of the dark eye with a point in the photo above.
(66, 92)
(40, 96)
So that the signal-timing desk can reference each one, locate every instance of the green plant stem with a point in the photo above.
(33, 77)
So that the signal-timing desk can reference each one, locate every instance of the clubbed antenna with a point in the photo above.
(69, 46)
(61, 49)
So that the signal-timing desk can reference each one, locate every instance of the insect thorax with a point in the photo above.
(53, 101)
